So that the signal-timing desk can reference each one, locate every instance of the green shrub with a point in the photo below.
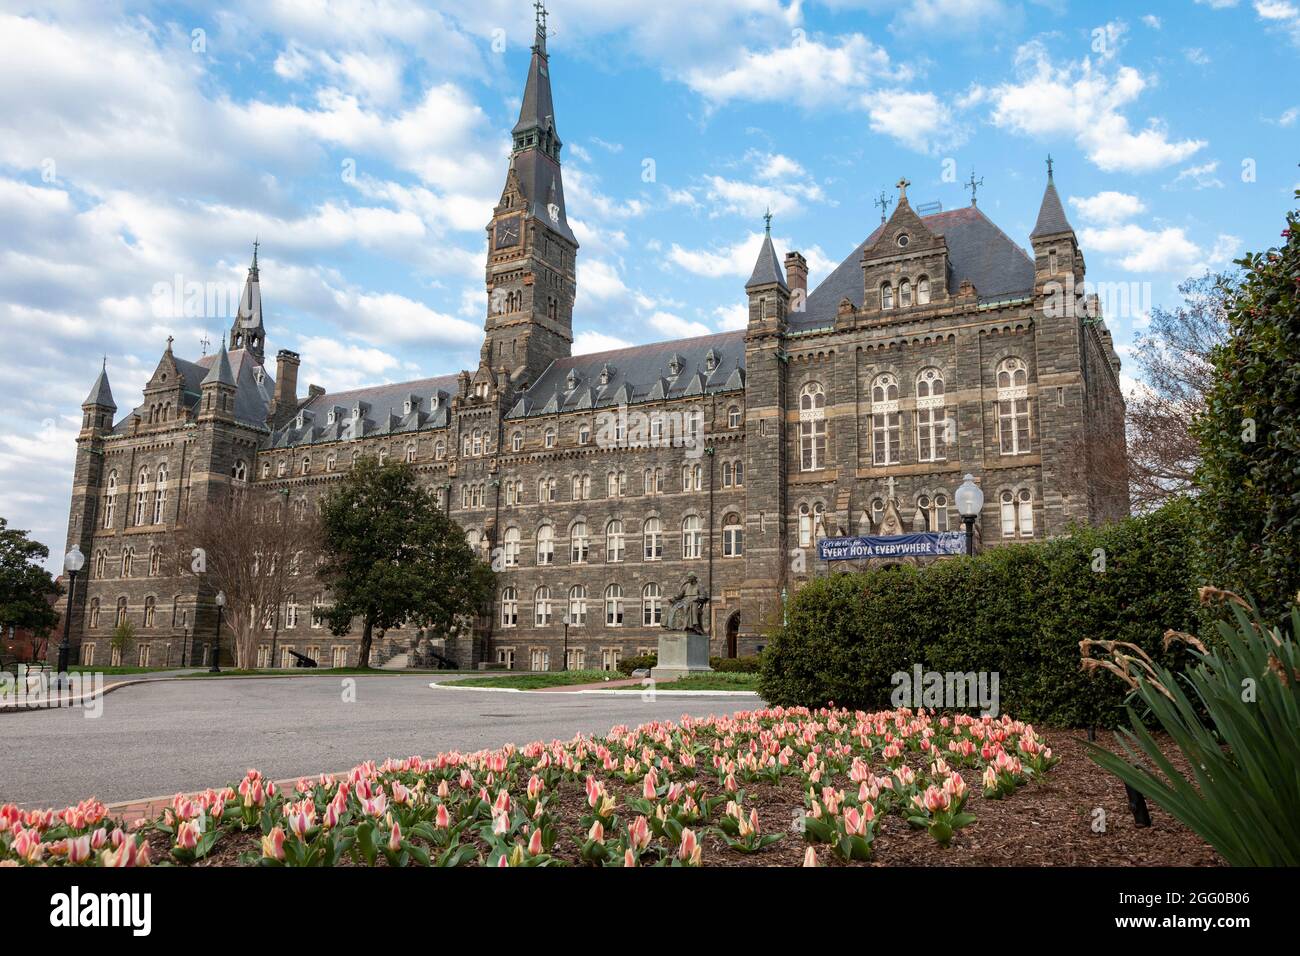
(1244, 759)
(735, 665)
(629, 664)
(1019, 611)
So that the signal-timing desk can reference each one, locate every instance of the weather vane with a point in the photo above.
(974, 184)
(883, 203)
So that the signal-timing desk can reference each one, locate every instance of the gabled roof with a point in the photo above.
(637, 374)
(977, 251)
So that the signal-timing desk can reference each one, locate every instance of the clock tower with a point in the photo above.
(531, 278)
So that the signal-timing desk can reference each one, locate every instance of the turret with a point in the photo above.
(769, 296)
(217, 402)
(248, 331)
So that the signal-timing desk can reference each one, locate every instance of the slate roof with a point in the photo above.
(541, 182)
(383, 411)
(705, 365)
(1051, 215)
(767, 270)
(100, 393)
(977, 250)
(252, 397)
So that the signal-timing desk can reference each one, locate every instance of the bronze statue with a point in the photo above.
(686, 610)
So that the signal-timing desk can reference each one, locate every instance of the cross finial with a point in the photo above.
(890, 483)
(902, 188)
(767, 218)
(1049, 167)
(170, 340)
(104, 367)
(205, 343)
(884, 202)
(974, 185)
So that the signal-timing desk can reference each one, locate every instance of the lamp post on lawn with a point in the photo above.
(216, 646)
(73, 562)
(970, 502)
(564, 664)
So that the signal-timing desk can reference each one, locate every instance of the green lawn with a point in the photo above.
(718, 680)
(310, 672)
(534, 680)
(117, 671)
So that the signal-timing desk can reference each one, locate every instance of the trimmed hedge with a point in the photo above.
(1019, 611)
(726, 665)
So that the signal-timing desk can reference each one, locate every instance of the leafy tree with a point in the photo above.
(1249, 479)
(25, 586)
(392, 557)
(122, 637)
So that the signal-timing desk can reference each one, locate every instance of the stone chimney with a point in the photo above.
(796, 276)
(285, 401)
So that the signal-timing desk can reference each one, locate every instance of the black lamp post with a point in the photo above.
(970, 502)
(564, 664)
(73, 562)
(216, 646)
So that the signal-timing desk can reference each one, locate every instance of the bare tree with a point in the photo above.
(253, 547)
(1173, 360)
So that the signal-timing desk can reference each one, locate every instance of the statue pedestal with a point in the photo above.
(681, 653)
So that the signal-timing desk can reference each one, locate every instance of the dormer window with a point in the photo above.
(259, 374)
(572, 379)
(675, 366)
(711, 360)
(356, 413)
(433, 403)
(408, 406)
(605, 374)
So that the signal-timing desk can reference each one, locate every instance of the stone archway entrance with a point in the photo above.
(733, 632)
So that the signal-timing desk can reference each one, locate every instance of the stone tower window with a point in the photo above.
(509, 608)
(1013, 407)
(930, 416)
(542, 607)
(614, 606)
(886, 420)
(812, 427)
(886, 296)
(904, 294)
(654, 539)
(923, 290)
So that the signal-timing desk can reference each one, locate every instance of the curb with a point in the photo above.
(625, 693)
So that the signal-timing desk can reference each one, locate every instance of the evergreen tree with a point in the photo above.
(391, 556)
(1249, 479)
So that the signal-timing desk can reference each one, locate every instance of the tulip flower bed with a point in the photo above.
(780, 786)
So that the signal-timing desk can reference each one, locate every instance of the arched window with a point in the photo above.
(577, 606)
(1008, 514)
(1013, 407)
(517, 441)
(931, 416)
(939, 513)
(282, 468)
(239, 471)
(155, 562)
(739, 473)
(652, 608)
(578, 543)
(614, 606)
(733, 537)
(877, 513)
(511, 552)
(120, 618)
(128, 559)
(886, 296)
(904, 294)
(692, 537)
(733, 416)
(545, 544)
(885, 420)
(110, 499)
(1025, 513)
(509, 607)
(542, 607)
(439, 449)
(923, 290)
(614, 541)
(410, 453)
(94, 612)
(652, 534)
(150, 610)
(812, 427)
(475, 542)
(101, 563)
(291, 611)
(811, 523)
(726, 474)
(548, 438)
(142, 497)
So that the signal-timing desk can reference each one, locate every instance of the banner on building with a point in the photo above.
(922, 544)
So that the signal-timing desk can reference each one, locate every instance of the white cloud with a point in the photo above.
(1289, 117)
(920, 121)
(1084, 102)
(1196, 56)
(589, 340)
(1165, 250)
(1152, 21)
(675, 327)
(732, 317)
(1200, 177)
(1108, 207)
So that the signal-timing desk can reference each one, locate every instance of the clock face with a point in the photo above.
(507, 232)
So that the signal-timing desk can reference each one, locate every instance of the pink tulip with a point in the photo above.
(500, 822)
(273, 844)
(597, 832)
(936, 800)
(187, 836)
(810, 857)
(639, 833)
(690, 850)
(535, 842)
(443, 819)
(629, 858)
(395, 839)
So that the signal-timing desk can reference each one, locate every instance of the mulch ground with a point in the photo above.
(1051, 823)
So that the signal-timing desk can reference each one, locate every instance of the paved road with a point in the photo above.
(161, 738)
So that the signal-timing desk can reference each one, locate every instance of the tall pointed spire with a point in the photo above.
(220, 373)
(767, 270)
(100, 394)
(248, 332)
(1051, 214)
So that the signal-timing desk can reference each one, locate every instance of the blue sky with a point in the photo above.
(143, 145)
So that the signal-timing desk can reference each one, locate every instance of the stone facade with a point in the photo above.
(596, 483)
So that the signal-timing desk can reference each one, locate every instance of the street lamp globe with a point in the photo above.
(221, 599)
(74, 560)
(970, 500)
